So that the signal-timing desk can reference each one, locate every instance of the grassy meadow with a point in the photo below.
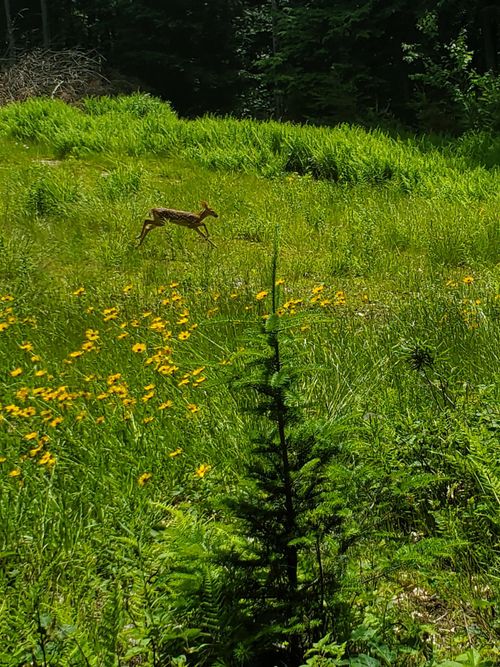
(121, 420)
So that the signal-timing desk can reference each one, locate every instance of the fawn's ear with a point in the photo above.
(204, 204)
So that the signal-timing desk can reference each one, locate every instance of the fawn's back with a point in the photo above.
(175, 216)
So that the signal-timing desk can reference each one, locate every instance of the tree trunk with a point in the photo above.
(11, 44)
(277, 95)
(45, 24)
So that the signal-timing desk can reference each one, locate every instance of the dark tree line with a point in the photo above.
(432, 65)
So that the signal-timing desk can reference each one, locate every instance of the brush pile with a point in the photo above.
(68, 75)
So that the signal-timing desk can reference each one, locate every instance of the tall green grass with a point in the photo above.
(140, 125)
(386, 252)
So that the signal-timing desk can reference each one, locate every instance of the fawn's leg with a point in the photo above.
(205, 237)
(147, 227)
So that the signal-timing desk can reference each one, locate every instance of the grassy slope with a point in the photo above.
(378, 260)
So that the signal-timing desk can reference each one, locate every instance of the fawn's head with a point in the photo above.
(207, 210)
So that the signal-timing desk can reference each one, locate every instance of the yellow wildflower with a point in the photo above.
(184, 335)
(197, 371)
(79, 291)
(35, 450)
(23, 393)
(124, 334)
(175, 453)
(129, 401)
(14, 473)
(110, 314)
(192, 407)
(165, 405)
(40, 373)
(167, 369)
(17, 371)
(92, 334)
(261, 295)
(75, 354)
(31, 436)
(280, 281)
(340, 298)
(147, 420)
(100, 420)
(26, 346)
(148, 396)
(317, 289)
(3, 459)
(202, 470)
(138, 347)
(144, 478)
(468, 280)
(127, 289)
(56, 421)
(118, 389)
(44, 459)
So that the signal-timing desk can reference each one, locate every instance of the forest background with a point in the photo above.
(419, 65)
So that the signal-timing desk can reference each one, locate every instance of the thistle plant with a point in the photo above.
(421, 359)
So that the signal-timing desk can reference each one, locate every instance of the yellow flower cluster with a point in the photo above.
(89, 344)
